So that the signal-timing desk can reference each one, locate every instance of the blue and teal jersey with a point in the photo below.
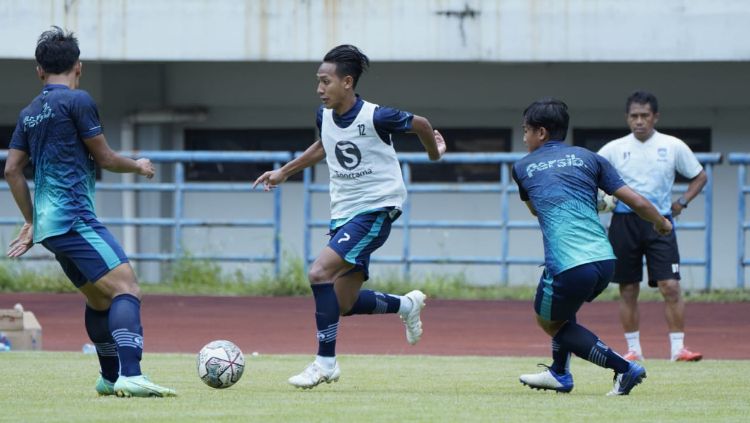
(561, 182)
(51, 131)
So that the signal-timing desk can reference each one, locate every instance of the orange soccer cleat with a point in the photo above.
(687, 355)
(632, 356)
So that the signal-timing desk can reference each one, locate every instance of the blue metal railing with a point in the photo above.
(742, 160)
(179, 187)
(505, 187)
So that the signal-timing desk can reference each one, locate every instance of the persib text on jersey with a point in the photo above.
(569, 160)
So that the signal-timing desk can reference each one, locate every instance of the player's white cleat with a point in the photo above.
(548, 380)
(314, 375)
(412, 319)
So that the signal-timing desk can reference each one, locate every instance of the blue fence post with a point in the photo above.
(708, 202)
(405, 218)
(505, 218)
(307, 211)
(741, 227)
(179, 181)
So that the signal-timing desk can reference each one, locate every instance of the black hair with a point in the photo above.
(642, 97)
(349, 60)
(57, 51)
(548, 113)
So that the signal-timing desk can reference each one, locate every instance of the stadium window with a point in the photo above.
(460, 140)
(288, 140)
(698, 139)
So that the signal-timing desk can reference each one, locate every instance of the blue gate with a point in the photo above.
(742, 160)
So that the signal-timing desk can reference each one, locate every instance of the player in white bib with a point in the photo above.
(367, 192)
(647, 161)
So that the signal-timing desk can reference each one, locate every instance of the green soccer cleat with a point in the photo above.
(104, 387)
(140, 386)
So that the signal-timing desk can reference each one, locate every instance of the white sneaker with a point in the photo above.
(548, 380)
(411, 319)
(314, 375)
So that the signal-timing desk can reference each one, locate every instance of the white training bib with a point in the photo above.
(649, 167)
(364, 170)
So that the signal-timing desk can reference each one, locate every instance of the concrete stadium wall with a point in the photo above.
(418, 30)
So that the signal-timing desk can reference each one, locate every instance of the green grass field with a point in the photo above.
(51, 386)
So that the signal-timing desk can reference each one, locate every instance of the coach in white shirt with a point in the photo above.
(647, 161)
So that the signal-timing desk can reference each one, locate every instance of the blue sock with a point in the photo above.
(373, 302)
(125, 325)
(97, 326)
(560, 359)
(326, 318)
(583, 343)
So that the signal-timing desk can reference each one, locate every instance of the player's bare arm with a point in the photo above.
(432, 140)
(643, 208)
(113, 162)
(310, 157)
(14, 166)
(694, 188)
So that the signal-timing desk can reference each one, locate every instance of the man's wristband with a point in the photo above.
(682, 201)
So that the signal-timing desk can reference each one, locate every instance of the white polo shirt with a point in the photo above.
(649, 167)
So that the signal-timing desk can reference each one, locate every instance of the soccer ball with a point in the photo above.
(605, 203)
(220, 364)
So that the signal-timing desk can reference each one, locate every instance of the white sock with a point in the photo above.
(634, 341)
(326, 362)
(677, 339)
(406, 305)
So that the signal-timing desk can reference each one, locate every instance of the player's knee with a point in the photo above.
(317, 274)
(670, 292)
(550, 327)
(629, 292)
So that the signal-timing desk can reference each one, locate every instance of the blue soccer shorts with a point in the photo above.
(87, 252)
(358, 238)
(559, 297)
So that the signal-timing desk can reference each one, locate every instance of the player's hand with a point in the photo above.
(440, 142)
(270, 179)
(23, 242)
(676, 209)
(664, 227)
(145, 168)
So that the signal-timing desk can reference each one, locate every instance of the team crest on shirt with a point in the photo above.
(662, 152)
(625, 155)
(348, 154)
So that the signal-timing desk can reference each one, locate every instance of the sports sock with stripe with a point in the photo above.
(634, 342)
(326, 318)
(373, 302)
(126, 329)
(560, 359)
(583, 343)
(97, 327)
(677, 342)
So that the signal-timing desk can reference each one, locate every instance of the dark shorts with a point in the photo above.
(87, 252)
(559, 297)
(358, 238)
(632, 238)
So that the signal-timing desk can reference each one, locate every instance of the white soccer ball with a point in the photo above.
(605, 203)
(220, 364)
